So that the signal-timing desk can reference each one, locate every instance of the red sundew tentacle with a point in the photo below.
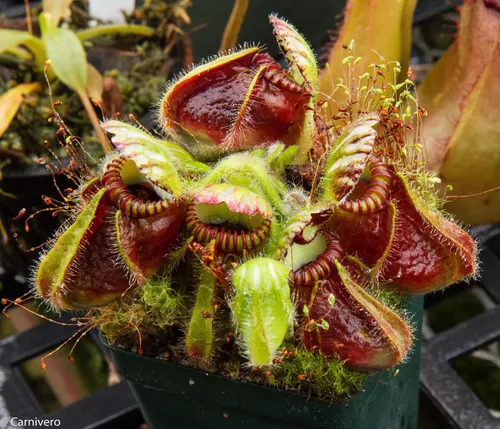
(121, 196)
(321, 267)
(225, 240)
(377, 194)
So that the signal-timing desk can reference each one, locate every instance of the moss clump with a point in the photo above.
(313, 374)
(144, 319)
(305, 372)
(30, 128)
(144, 80)
(392, 299)
(161, 303)
(155, 314)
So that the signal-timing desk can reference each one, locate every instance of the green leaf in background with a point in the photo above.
(56, 8)
(69, 64)
(20, 52)
(10, 102)
(66, 54)
(94, 86)
(381, 31)
(10, 39)
(121, 29)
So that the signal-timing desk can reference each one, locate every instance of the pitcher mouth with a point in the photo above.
(130, 191)
(313, 261)
(236, 218)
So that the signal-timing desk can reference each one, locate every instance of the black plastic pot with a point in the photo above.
(172, 396)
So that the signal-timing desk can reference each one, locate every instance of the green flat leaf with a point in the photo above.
(279, 157)
(94, 86)
(286, 157)
(66, 54)
(10, 102)
(10, 39)
(19, 52)
(122, 29)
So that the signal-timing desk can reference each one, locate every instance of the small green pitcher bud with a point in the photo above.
(262, 308)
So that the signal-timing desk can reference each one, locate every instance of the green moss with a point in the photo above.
(144, 315)
(312, 374)
(156, 313)
(141, 88)
(392, 299)
(160, 301)
(426, 186)
(30, 127)
(307, 373)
